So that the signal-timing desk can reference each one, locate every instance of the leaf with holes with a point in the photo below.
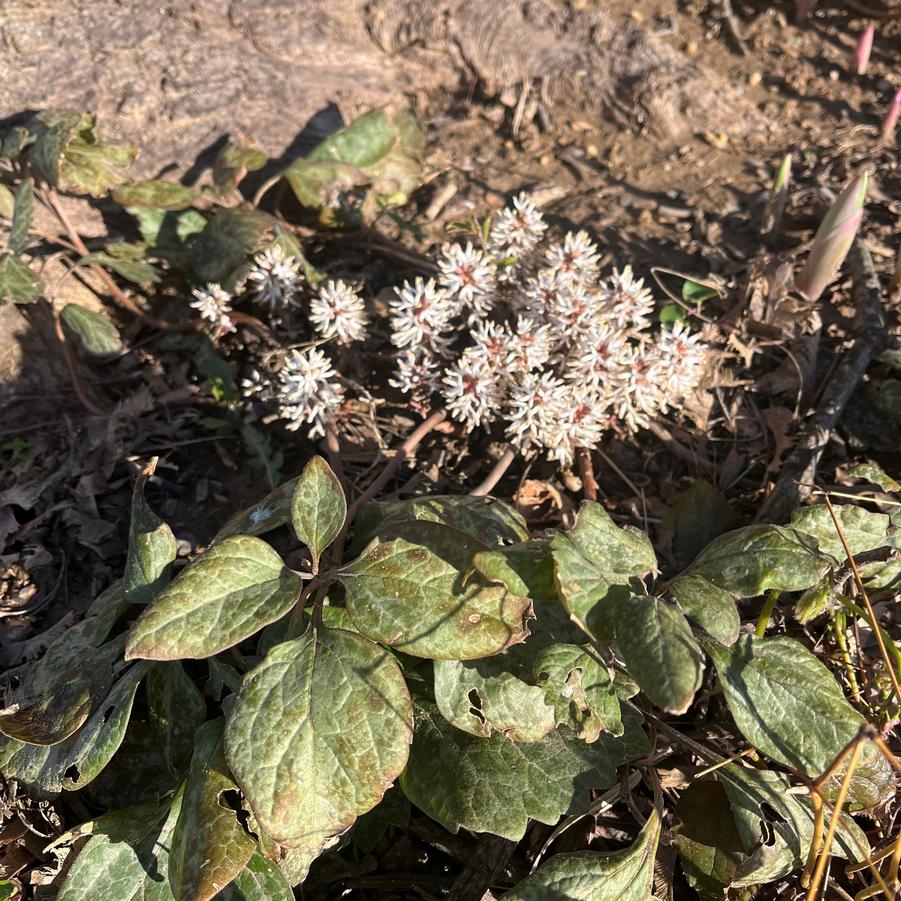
(320, 730)
(496, 785)
(97, 335)
(713, 609)
(18, 284)
(481, 699)
(776, 826)
(151, 547)
(788, 705)
(209, 845)
(576, 682)
(44, 771)
(660, 651)
(418, 594)
(594, 876)
(755, 559)
(318, 508)
(225, 596)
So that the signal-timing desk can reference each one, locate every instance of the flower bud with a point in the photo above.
(861, 58)
(891, 119)
(833, 239)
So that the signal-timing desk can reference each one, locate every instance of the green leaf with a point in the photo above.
(660, 651)
(594, 876)
(412, 594)
(697, 292)
(787, 704)
(209, 845)
(156, 194)
(52, 130)
(169, 235)
(43, 771)
(496, 785)
(260, 880)
(125, 861)
(526, 568)
(225, 596)
(7, 202)
(756, 559)
(775, 825)
(477, 698)
(177, 710)
(18, 284)
(139, 272)
(270, 513)
(576, 682)
(488, 520)
(594, 562)
(152, 548)
(712, 608)
(226, 240)
(320, 730)
(875, 474)
(364, 142)
(233, 162)
(98, 336)
(318, 508)
(21, 220)
(671, 314)
(89, 166)
(862, 529)
(707, 839)
(699, 515)
(59, 696)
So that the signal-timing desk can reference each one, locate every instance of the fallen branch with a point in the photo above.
(799, 470)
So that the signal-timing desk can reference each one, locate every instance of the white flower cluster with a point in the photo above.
(555, 353)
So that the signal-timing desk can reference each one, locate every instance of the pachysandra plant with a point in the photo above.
(494, 676)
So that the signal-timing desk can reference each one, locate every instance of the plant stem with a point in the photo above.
(496, 474)
(586, 473)
(839, 625)
(765, 614)
(86, 402)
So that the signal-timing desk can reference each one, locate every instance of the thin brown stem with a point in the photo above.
(586, 473)
(86, 401)
(496, 474)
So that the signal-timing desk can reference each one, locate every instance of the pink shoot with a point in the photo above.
(861, 58)
(891, 118)
(833, 239)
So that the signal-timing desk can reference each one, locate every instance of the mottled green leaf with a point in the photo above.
(152, 548)
(139, 272)
(474, 697)
(209, 845)
(233, 162)
(260, 880)
(51, 131)
(496, 785)
(320, 730)
(526, 568)
(231, 592)
(593, 563)
(594, 876)
(169, 235)
(707, 839)
(176, 709)
(270, 513)
(318, 508)
(698, 515)
(875, 474)
(488, 520)
(775, 826)
(94, 167)
(226, 240)
(157, 194)
(18, 284)
(59, 695)
(576, 682)
(417, 595)
(788, 705)
(755, 559)
(863, 529)
(713, 609)
(21, 220)
(43, 771)
(98, 336)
